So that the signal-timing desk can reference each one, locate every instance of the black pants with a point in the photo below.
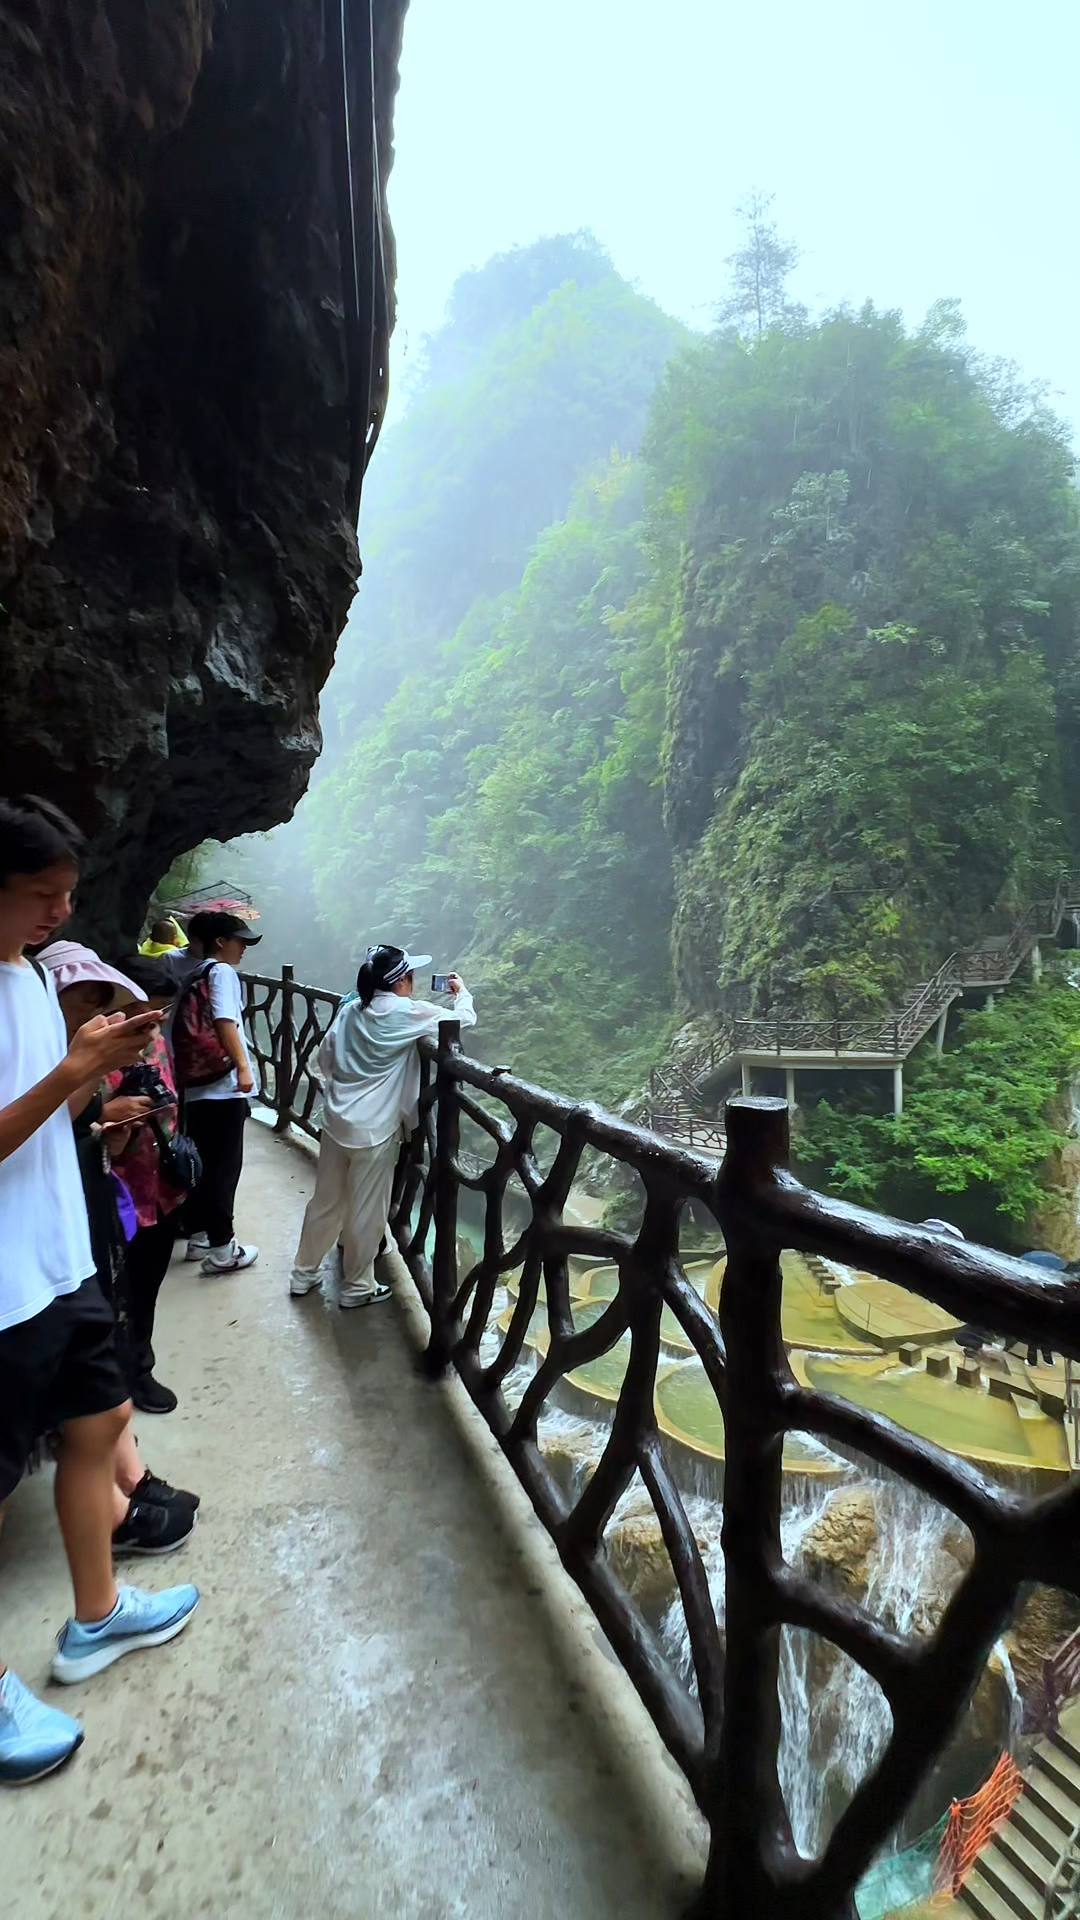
(148, 1257)
(217, 1128)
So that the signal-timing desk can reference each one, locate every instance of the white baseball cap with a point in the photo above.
(390, 964)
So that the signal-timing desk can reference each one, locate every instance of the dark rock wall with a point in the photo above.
(177, 555)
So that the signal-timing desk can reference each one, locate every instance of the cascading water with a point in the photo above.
(1016, 1700)
(803, 1784)
(835, 1719)
(846, 1706)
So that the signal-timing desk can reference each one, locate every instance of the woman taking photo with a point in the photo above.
(370, 1069)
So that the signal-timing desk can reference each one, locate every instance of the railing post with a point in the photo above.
(444, 1257)
(283, 1070)
(750, 1831)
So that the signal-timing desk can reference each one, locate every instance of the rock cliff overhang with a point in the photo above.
(196, 297)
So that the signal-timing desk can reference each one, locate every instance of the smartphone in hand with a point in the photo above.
(440, 983)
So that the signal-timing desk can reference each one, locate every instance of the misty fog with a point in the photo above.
(566, 730)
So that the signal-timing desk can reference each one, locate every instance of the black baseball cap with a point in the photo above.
(207, 928)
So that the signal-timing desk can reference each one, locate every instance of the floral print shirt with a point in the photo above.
(139, 1166)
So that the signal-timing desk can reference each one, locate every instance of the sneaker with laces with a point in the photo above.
(304, 1280)
(197, 1247)
(149, 1528)
(230, 1259)
(365, 1296)
(138, 1620)
(34, 1739)
(162, 1495)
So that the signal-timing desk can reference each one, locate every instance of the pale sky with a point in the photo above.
(915, 152)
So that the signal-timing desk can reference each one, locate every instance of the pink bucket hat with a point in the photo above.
(72, 965)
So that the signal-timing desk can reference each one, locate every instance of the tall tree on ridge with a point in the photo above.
(759, 273)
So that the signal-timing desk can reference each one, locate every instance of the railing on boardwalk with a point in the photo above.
(726, 1735)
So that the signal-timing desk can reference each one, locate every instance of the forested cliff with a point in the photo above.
(694, 671)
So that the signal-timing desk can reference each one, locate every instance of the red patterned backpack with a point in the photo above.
(198, 1053)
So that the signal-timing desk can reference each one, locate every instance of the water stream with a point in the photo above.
(835, 1719)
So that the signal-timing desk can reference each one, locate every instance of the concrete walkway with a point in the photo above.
(368, 1717)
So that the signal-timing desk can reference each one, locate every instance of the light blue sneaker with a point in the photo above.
(34, 1739)
(137, 1620)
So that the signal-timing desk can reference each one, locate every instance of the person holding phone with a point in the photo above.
(58, 1361)
(158, 1166)
(149, 1516)
(370, 1070)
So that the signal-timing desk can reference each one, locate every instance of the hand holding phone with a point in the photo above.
(136, 1119)
(108, 1041)
(440, 983)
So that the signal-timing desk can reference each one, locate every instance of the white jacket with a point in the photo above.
(370, 1067)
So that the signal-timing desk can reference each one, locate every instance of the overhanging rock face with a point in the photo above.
(177, 543)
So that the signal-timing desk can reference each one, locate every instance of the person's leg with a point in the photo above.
(35, 1739)
(109, 1621)
(148, 1257)
(203, 1119)
(221, 1178)
(194, 1206)
(370, 1186)
(232, 1165)
(85, 1506)
(129, 1468)
(324, 1216)
(149, 1515)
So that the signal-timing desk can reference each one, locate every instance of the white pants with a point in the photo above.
(351, 1203)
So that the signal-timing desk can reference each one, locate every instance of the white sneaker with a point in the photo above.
(230, 1259)
(197, 1247)
(365, 1296)
(304, 1280)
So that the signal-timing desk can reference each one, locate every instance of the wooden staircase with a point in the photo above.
(676, 1109)
(1016, 1873)
(681, 1100)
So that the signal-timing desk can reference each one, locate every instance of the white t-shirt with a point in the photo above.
(44, 1234)
(226, 1003)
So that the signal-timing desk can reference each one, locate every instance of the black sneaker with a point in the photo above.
(160, 1494)
(150, 1529)
(150, 1396)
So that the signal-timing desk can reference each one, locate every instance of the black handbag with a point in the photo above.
(178, 1158)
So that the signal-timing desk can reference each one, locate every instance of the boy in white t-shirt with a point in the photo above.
(216, 1112)
(58, 1363)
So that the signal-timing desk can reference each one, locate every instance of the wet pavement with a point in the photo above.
(368, 1717)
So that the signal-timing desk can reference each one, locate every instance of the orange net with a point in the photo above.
(973, 1822)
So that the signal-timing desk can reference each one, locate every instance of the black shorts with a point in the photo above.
(61, 1365)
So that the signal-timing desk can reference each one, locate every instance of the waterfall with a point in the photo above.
(1000, 1653)
(849, 1708)
(803, 1783)
(835, 1721)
